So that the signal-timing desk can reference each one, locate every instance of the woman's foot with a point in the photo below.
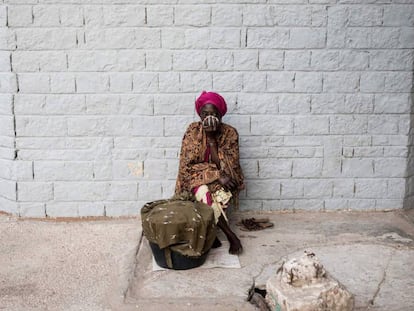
(235, 246)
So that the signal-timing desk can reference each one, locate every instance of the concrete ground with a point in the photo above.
(104, 264)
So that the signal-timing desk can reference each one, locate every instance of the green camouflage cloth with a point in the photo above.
(184, 226)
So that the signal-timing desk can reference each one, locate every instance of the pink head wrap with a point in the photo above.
(211, 98)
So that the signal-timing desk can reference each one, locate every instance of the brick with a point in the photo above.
(391, 167)
(62, 83)
(280, 81)
(92, 60)
(3, 16)
(148, 38)
(307, 37)
(123, 15)
(71, 16)
(382, 124)
(8, 83)
(80, 191)
(9, 206)
(311, 125)
(7, 39)
(189, 60)
(307, 167)
(158, 60)
(5, 61)
(99, 104)
(7, 127)
(219, 60)
(114, 209)
(122, 191)
(8, 189)
(398, 82)
(46, 16)
(294, 104)
(291, 189)
(399, 15)
(227, 15)
(149, 191)
(145, 82)
(353, 60)
(120, 82)
(135, 104)
(40, 126)
(147, 126)
(263, 189)
(271, 60)
(195, 81)
(173, 38)
(254, 82)
(32, 210)
(224, 38)
(385, 37)
(265, 104)
(358, 167)
(271, 125)
(396, 103)
(169, 82)
(174, 104)
(274, 168)
(391, 60)
(34, 191)
(63, 171)
(197, 38)
(324, 60)
(385, 204)
(407, 37)
(267, 38)
(61, 209)
(20, 16)
(341, 82)
(92, 82)
(319, 16)
(370, 188)
(365, 15)
(46, 38)
(343, 188)
(327, 103)
(158, 15)
(297, 60)
(308, 82)
(186, 15)
(227, 82)
(118, 38)
(317, 188)
(348, 124)
(174, 126)
(396, 188)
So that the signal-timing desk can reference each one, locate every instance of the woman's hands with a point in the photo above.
(227, 182)
(211, 123)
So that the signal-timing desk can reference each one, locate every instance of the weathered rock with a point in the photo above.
(304, 285)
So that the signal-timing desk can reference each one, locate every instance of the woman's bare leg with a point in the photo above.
(235, 244)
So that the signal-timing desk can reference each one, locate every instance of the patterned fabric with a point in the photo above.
(218, 201)
(194, 171)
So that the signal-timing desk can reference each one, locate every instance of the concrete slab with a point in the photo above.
(358, 249)
(96, 265)
(82, 265)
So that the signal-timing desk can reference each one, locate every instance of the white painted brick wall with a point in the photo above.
(95, 97)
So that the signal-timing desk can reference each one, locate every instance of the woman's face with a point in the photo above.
(210, 117)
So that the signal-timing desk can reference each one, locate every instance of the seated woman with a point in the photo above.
(209, 162)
